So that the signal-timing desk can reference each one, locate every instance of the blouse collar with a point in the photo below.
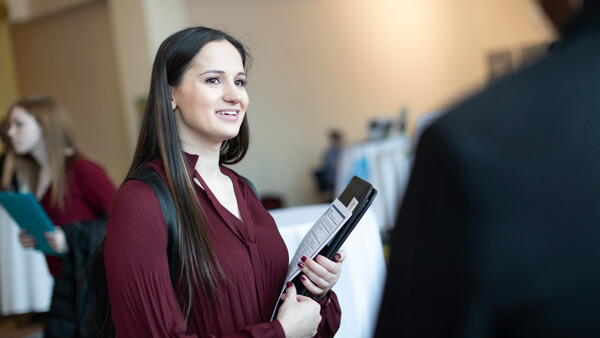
(192, 159)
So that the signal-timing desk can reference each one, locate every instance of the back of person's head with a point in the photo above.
(335, 135)
(159, 139)
(58, 140)
(566, 14)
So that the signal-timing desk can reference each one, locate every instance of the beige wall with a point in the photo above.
(163, 19)
(24, 10)
(70, 57)
(317, 65)
(338, 63)
(127, 21)
(8, 80)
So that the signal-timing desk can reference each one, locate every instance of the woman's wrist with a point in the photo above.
(321, 299)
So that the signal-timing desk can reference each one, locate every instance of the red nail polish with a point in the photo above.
(303, 277)
(301, 265)
(338, 256)
(303, 258)
(289, 284)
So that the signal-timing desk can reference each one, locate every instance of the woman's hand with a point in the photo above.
(57, 240)
(299, 316)
(27, 241)
(322, 273)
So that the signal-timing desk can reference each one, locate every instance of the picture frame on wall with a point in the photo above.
(500, 64)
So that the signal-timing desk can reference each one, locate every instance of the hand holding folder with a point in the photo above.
(27, 212)
(331, 230)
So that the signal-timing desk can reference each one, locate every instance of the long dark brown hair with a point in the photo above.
(199, 269)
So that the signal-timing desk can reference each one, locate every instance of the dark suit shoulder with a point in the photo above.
(554, 96)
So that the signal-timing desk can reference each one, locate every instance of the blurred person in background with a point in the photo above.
(70, 187)
(326, 175)
(498, 233)
(25, 284)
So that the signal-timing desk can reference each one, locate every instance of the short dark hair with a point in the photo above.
(335, 134)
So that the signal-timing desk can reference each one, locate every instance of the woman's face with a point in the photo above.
(211, 101)
(24, 131)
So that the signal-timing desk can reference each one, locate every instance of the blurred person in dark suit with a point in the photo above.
(499, 232)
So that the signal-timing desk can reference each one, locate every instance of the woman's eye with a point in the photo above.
(240, 82)
(213, 80)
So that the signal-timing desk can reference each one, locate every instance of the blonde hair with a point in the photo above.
(8, 167)
(56, 128)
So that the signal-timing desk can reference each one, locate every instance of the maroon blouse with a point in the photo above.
(251, 253)
(89, 194)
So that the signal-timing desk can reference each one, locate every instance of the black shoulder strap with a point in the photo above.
(251, 185)
(155, 181)
(158, 185)
(93, 304)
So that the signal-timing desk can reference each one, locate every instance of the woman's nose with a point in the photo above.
(232, 94)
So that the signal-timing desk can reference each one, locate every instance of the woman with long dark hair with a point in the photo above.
(232, 259)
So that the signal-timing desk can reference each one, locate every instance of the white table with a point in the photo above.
(25, 282)
(361, 283)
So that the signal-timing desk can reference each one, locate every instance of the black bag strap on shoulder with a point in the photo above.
(93, 303)
(251, 185)
(155, 181)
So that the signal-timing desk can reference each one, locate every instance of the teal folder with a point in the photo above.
(27, 212)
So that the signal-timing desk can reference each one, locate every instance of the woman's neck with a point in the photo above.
(40, 156)
(207, 164)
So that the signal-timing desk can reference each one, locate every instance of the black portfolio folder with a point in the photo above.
(357, 196)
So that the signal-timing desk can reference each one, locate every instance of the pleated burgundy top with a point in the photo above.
(251, 253)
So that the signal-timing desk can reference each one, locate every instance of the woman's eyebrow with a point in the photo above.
(220, 72)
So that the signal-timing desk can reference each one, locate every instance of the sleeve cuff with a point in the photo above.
(325, 299)
(278, 328)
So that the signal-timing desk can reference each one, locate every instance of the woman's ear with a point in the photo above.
(173, 101)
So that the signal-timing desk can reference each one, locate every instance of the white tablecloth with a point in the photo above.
(361, 283)
(25, 282)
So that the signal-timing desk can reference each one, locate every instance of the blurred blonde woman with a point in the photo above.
(19, 266)
(70, 187)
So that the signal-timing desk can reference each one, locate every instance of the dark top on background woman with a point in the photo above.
(89, 195)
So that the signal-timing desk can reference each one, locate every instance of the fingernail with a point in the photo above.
(288, 285)
(301, 265)
(303, 258)
(303, 277)
(338, 256)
